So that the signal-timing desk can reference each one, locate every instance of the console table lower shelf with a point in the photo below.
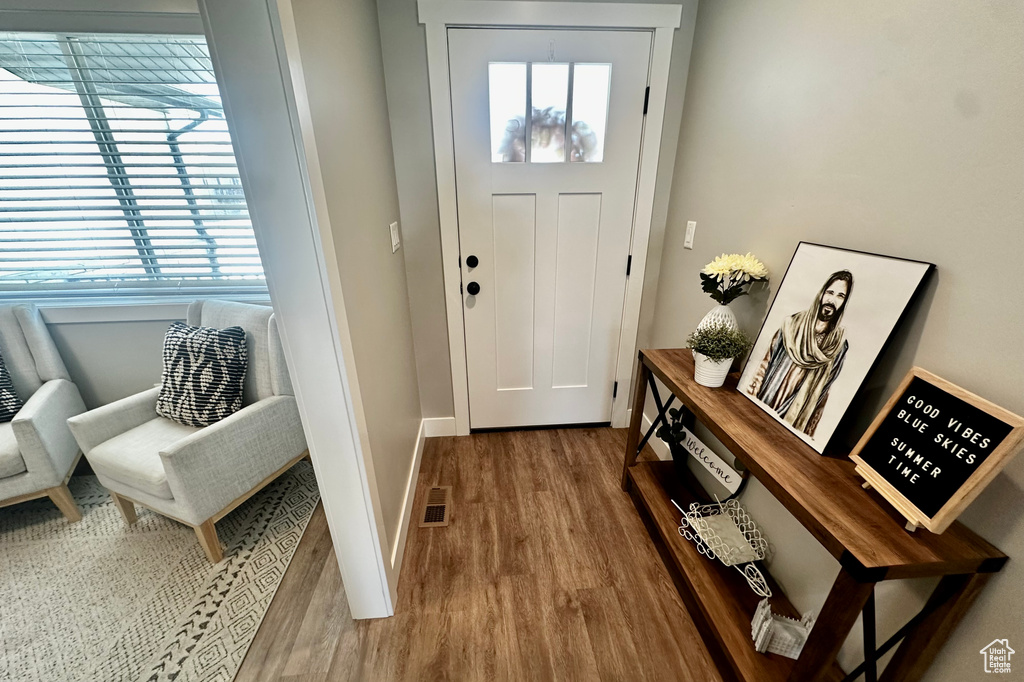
(864, 535)
(717, 596)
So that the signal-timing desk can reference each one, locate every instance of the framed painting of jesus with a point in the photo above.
(832, 316)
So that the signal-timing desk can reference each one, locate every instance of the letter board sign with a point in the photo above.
(934, 447)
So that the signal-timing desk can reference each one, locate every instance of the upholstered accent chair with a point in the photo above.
(37, 451)
(197, 475)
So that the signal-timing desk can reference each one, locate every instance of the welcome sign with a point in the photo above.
(934, 447)
(715, 465)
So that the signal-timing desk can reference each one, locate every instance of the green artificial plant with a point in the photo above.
(718, 341)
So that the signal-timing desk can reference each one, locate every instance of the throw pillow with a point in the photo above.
(204, 371)
(10, 403)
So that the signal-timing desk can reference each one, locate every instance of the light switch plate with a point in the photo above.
(691, 227)
(395, 242)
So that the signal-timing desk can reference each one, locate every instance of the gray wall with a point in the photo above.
(111, 360)
(895, 128)
(339, 43)
(405, 66)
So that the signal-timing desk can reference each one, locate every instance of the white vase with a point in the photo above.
(720, 314)
(708, 372)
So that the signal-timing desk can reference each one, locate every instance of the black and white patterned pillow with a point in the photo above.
(204, 371)
(10, 403)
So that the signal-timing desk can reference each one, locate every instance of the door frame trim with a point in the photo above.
(440, 15)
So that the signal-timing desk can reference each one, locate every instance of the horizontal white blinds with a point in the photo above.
(116, 168)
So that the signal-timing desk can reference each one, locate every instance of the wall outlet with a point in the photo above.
(395, 242)
(691, 227)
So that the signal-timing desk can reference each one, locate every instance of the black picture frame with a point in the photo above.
(836, 402)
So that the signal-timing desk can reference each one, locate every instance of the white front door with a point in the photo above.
(545, 209)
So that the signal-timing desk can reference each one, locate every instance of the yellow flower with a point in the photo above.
(720, 267)
(736, 266)
(751, 267)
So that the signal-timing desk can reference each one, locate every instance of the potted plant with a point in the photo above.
(714, 347)
(727, 278)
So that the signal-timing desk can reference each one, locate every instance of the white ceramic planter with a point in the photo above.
(720, 313)
(708, 372)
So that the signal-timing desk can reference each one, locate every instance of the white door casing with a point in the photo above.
(438, 16)
(549, 228)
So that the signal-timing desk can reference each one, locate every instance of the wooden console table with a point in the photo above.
(856, 526)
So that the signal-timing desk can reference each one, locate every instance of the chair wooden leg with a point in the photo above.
(61, 497)
(126, 507)
(207, 534)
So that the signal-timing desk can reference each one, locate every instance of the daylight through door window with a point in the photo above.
(566, 101)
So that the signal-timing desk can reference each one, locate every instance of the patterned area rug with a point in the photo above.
(99, 600)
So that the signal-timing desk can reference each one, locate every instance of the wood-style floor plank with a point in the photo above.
(283, 622)
(545, 572)
(323, 628)
(615, 655)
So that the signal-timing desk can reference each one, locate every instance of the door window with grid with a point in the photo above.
(117, 173)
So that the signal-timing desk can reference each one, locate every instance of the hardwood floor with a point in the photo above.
(545, 573)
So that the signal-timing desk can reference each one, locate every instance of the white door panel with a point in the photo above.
(551, 226)
(514, 233)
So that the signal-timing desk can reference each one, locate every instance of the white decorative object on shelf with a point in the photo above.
(722, 314)
(708, 372)
(780, 635)
(725, 531)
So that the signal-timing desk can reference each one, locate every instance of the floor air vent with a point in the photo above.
(438, 508)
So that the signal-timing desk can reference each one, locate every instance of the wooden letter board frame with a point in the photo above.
(974, 484)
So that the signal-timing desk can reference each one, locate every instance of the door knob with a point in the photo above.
(473, 288)
(472, 261)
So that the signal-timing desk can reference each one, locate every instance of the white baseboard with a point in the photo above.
(439, 426)
(407, 503)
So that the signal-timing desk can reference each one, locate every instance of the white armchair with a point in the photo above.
(37, 451)
(198, 475)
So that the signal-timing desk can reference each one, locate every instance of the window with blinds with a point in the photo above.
(116, 170)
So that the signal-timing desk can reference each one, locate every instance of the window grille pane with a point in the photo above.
(549, 92)
(589, 110)
(507, 94)
(116, 168)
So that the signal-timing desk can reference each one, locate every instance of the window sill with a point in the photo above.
(127, 309)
